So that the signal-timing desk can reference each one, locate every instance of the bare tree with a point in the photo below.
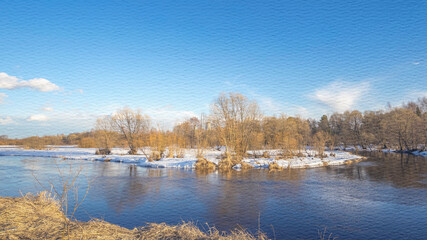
(104, 135)
(132, 125)
(233, 116)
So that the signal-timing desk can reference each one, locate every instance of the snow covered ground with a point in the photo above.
(189, 160)
(374, 149)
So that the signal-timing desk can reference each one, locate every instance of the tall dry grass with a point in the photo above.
(40, 217)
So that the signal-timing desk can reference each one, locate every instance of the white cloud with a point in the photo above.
(7, 120)
(2, 97)
(40, 84)
(38, 117)
(47, 109)
(341, 95)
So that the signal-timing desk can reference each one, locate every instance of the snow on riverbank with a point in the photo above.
(189, 160)
(387, 150)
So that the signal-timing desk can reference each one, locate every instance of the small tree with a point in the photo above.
(132, 125)
(320, 139)
(104, 135)
(233, 117)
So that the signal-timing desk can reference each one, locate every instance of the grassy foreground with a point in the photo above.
(39, 217)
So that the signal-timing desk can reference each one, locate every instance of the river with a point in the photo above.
(383, 197)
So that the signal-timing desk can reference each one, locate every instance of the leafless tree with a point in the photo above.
(233, 116)
(132, 125)
(104, 134)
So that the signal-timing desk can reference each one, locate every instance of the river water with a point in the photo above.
(383, 197)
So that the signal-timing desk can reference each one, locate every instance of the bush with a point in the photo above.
(246, 166)
(33, 143)
(225, 164)
(274, 166)
(204, 164)
(87, 142)
(266, 154)
(103, 151)
(155, 156)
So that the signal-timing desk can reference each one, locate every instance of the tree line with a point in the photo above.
(237, 124)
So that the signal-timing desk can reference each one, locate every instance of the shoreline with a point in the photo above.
(308, 160)
(39, 217)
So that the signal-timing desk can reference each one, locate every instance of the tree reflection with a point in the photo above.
(401, 170)
(242, 196)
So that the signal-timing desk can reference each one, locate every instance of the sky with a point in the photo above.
(65, 63)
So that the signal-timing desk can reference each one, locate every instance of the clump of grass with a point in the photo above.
(155, 156)
(348, 162)
(225, 164)
(325, 163)
(321, 156)
(274, 166)
(266, 154)
(180, 153)
(204, 164)
(39, 217)
(103, 151)
(188, 230)
(332, 154)
(246, 166)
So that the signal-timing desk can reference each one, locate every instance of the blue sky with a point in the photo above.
(173, 58)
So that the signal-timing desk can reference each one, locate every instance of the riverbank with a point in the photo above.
(386, 150)
(39, 217)
(307, 159)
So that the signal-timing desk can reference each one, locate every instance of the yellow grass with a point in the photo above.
(274, 166)
(246, 166)
(39, 217)
(225, 164)
(204, 164)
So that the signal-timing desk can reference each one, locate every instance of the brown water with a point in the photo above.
(384, 197)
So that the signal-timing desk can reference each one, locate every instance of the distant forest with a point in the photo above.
(237, 123)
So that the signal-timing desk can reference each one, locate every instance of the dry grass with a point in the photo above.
(246, 166)
(274, 166)
(225, 164)
(348, 162)
(204, 164)
(39, 217)
(266, 154)
(155, 156)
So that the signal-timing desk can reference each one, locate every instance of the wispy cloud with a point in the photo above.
(341, 95)
(47, 109)
(39, 84)
(6, 120)
(2, 97)
(38, 118)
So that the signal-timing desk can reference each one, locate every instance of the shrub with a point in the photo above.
(274, 166)
(87, 142)
(180, 153)
(266, 154)
(33, 143)
(155, 156)
(103, 151)
(204, 164)
(246, 166)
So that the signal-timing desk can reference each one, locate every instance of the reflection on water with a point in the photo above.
(384, 196)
